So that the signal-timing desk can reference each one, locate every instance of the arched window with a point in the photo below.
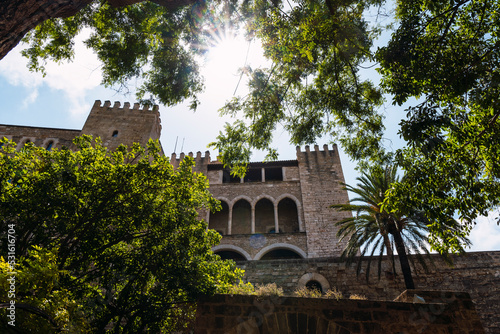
(242, 218)
(264, 216)
(218, 220)
(288, 217)
(115, 134)
(50, 145)
(280, 253)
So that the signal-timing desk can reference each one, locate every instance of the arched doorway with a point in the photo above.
(281, 253)
(230, 255)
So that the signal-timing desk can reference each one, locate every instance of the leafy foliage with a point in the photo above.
(374, 230)
(126, 229)
(144, 42)
(446, 53)
(443, 53)
(313, 86)
(42, 304)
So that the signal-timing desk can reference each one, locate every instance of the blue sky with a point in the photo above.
(64, 97)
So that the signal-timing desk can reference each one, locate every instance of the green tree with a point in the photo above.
(42, 304)
(374, 230)
(313, 86)
(157, 45)
(443, 52)
(446, 53)
(126, 228)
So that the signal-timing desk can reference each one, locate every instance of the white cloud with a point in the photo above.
(486, 234)
(74, 79)
(31, 98)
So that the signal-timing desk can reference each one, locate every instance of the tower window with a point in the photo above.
(50, 145)
(115, 133)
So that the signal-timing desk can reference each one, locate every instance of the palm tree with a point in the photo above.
(373, 231)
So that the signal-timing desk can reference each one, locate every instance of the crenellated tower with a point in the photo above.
(321, 178)
(116, 125)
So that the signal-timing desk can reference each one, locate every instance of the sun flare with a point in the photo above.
(229, 53)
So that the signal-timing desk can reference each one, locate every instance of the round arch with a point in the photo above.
(264, 215)
(232, 248)
(224, 199)
(306, 278)
(280, 245)
(24, 141)
(47, 141)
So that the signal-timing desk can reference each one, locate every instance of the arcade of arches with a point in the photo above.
(265, 216)
(261, 217)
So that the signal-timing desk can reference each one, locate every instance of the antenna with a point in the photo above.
(175, 148)
(182, 144)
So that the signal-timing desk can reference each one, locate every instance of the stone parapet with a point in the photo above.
(290, 315)
(477, 273)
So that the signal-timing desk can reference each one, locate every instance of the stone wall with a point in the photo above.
(321, 179)
(450, 312)
(117, 125)
(477, 273)
(38, 136)
(252, 247)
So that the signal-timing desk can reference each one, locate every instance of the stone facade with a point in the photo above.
(477, 273)
(280, 209)
(114, 125)
(441, 312)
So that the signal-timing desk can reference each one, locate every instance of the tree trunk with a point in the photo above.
(18, 17)
(403, 259)
(390, 254)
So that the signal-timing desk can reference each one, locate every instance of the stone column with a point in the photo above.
(229, 221)
(253, 220)
(276, 225)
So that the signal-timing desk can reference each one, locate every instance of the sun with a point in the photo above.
(229, 52)
(228, 57)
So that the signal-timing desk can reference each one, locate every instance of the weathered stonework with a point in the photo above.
(477, 273)
(444, 312)
(115, 125)
(291, 198)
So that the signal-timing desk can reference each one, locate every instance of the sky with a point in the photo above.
(64, 97)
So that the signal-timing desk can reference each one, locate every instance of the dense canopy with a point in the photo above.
(105, 240)
(441, 58)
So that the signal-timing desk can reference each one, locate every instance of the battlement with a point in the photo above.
(199, 160)
(106, 107)
(325, 156)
